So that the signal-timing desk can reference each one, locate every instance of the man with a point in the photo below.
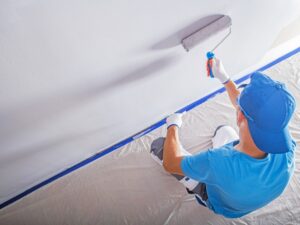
(236, 178)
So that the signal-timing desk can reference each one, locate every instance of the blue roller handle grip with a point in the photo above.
(210, 55)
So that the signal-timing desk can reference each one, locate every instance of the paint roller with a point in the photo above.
(212, 28)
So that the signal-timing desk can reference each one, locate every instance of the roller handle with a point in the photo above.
(210, 56)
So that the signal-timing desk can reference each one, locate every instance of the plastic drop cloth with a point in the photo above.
(128, 187)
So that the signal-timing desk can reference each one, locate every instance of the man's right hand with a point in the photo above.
(217, 69)
(219, 72)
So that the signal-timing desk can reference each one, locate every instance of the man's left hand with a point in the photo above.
(174, 119)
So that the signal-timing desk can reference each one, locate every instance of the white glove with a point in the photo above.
(218, 70)
(174, 119)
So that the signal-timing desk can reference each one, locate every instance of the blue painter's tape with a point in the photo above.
(139, 134)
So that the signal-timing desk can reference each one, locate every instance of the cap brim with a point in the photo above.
(271, 142)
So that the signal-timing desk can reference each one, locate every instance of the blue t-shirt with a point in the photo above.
(237, 183)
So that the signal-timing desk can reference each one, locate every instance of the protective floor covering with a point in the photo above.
(128, 187)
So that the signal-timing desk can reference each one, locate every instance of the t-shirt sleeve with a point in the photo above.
(198, 167)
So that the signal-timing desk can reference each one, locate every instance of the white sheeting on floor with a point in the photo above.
(128, 187)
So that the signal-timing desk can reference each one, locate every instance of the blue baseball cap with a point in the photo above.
(268, 107)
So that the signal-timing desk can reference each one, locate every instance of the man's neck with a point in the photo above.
(250, 149)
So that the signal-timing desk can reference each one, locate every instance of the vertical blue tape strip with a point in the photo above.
(139, 134)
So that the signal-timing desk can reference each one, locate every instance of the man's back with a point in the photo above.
(237, 183)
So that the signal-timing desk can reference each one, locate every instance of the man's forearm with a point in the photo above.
(172, 154)
(232, 91)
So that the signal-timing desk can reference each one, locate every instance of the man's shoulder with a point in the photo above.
(225, 150)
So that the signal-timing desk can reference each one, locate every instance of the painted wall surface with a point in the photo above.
(78, 76)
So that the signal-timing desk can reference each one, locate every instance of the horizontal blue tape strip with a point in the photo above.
(139, 134)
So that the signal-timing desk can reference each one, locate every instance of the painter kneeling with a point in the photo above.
(242, 172)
